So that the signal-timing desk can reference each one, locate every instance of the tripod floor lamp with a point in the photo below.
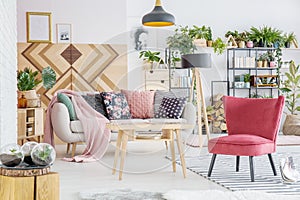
(196, 61)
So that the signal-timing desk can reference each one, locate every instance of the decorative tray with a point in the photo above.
(24, 170)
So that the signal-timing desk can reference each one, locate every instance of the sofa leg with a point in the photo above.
(211, 166)
(272, 164)
(251, 168)
(237, 164)
(73, 148)
(166, 143)
(68, 147)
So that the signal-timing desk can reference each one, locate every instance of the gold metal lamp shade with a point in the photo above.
(158, 17)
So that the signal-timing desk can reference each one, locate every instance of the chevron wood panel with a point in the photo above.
(80, 67)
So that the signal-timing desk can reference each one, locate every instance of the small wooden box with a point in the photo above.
(44, 187)
(264, 81)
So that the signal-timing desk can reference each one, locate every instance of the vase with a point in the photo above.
(272, 64)
(209, 43)
(200, 42)
(22, 102)
(241, 44)
(30, 94)
(249, 44)
(259, 63)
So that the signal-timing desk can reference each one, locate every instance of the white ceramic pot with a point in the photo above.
(30, 94)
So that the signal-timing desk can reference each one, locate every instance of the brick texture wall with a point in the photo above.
(8, 67)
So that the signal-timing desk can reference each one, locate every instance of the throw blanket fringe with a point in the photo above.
(97, 136)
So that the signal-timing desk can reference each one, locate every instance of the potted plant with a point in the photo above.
(43, 154)
(241, 39)
(247, 78)
(198, 35)
(288, 38)
(219, 46)
(180, 42)
(259, 61)
(291, 91)
(249, 41)
(234, 34)
(11, 155)
(271, 59)
(151, 57)
(208, 37)
(256, 36)
(28, 80)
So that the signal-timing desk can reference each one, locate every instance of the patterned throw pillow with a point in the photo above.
(159, 95)
(96, 102)
(140, 103)
(116, 105)
(171, 108)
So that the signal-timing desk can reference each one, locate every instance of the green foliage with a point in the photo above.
(28, 79)
(208, 35)
(247, 78)
(266, 35)
(151, 56)
(44, 154)
(234, 34)
(291, 88)
(219, 46)
(48, 77)
(181, 41)
(289, 37)
(199, 32)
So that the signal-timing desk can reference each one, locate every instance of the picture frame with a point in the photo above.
(39, 27)
(63, 33)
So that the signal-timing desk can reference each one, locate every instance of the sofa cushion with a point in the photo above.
(62, 98)
(96, 102)
(76, 126)
(140, 103)
(158, 97)
(171, 108)
(116, 105)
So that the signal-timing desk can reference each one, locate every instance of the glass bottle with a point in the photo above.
(22, 102)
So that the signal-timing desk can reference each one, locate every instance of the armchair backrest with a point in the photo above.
(253, 116)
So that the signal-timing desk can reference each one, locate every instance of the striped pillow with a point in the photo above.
(140, 103)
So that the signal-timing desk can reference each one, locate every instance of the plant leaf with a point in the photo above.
(48, 77)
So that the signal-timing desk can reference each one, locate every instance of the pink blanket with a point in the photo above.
(97, 136)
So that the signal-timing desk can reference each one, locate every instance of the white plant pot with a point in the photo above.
(30, 94)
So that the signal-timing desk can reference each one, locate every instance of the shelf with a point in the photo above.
(253, 68)
(252, 88)
(252, 49)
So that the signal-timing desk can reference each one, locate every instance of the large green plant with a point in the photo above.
(181, 41)
(291, 88)
(28, 79)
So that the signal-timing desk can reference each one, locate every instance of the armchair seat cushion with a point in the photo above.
(76, 126)
(242, 145)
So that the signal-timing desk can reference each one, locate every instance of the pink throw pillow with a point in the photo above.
(140, 103)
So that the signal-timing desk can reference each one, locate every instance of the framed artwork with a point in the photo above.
(63, 33)
(38, 26)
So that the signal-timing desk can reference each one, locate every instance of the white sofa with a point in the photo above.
(71, 132)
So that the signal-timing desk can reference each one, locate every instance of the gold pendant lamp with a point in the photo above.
(158, 17)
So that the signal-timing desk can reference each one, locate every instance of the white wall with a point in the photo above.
(8, 66)
(93, 21)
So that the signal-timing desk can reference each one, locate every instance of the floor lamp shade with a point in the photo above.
(158, 17)
(198, 60)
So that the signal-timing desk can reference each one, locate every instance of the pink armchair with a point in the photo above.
(252, 126)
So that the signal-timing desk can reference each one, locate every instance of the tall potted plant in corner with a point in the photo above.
(291, 91)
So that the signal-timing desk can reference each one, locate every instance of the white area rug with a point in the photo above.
(127, 194)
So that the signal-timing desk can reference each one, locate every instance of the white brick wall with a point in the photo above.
(8, 67)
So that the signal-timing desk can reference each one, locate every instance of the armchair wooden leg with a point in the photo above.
(237, 164)
(251, 168)
(272, 164)
(73, 148)
(68, 147)
(211, 166)
(166, 143)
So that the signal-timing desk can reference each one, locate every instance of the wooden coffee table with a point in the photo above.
(127, 131)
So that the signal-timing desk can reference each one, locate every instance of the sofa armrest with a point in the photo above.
(61, 124)
(189, 114)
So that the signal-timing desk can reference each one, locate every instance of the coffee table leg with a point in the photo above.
(172, 150)
(181, 153)
(117, 151)
(123, 153)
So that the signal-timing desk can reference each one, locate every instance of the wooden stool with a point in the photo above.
(44, 187)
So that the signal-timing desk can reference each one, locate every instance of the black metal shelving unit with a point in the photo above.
(233, 70)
